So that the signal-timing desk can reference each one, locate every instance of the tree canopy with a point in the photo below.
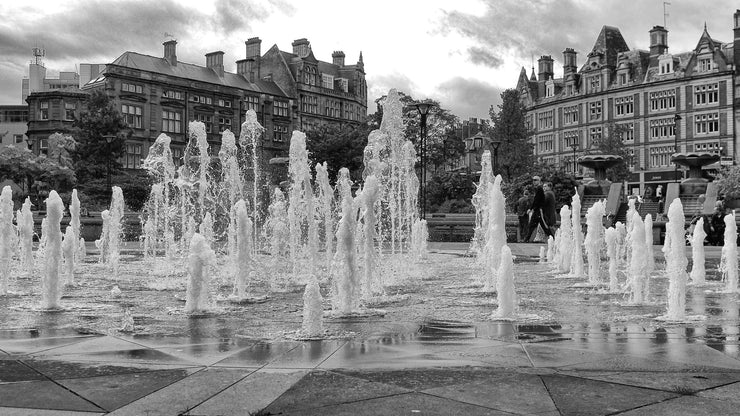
(515, 153)
(443, 146)
(612, 143)
(91, 157)
(339, 147)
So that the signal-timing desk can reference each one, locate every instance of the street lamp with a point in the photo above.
(676, 120)
(574, 146)
(109, 139)
(423, 108)
(495, 143)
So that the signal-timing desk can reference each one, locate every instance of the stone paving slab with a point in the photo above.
(686, 405)
(183, 395)
(251, 394)
(43, 395)
(114, 391)
(578, 396)
(17, 411)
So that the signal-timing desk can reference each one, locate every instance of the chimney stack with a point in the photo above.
(545, 68)
(338, 58)
(569, 62)
(246, 68)
(170, 52)
(736, 41)
(215, 61)
(658, 41)
(301, 47)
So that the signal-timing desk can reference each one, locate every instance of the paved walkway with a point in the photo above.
(443, 368)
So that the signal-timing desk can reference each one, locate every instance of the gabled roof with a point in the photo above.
(610, 43)
(193, 72)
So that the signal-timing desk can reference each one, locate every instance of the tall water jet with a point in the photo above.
(698, 273)
(231, 176)
(199, 141)
(299, 194)
(243, 250)
(593, 242)
(206, 229)
(650, 267)
(728, 261)
(496, 233)
(7, 237)
(576, 268)
(639, 283)
(550, 249)
(74, 216)
(505, 292)
(159, 223)
(410, 188)
(51, 288)
(368, 199)
(480, 202)
(69, 250)
(115, 233)
(325, 199)
(566, 240)
(611, 237)
(676, 262)
(313, 311)
(199, 261)
(419, 237)
(24, 220)
(103, 241)
(346, 282)
(277, 228)
(249, 139)
(621, 241)
(631, 211)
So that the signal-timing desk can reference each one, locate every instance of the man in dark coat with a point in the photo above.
(538, 203)
(522, 208)
(549, 213)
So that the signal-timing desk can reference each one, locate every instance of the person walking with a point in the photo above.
(549, 211)
(522, 208)
(538, 203)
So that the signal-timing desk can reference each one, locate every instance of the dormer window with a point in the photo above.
(666, 64)
(327, 81)
(550, 88)
(594, 84)
(705, 64)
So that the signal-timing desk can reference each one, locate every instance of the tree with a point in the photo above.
(443, 146)
(37, 173)
(340, 147)
(515, 153)
(612, 143)
(93, 153)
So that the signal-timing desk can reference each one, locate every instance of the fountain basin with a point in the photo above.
(599, 163)
(695, 184)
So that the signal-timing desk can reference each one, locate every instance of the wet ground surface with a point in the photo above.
(430, 348)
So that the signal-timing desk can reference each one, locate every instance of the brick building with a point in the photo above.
(161, 95)
(52, 111)
(13, 125)
(324, 92)
(664, 102)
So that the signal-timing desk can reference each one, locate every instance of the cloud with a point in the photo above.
(527, 29)
(233, 15)
(379, 85)
(482, 56)
(468, 97)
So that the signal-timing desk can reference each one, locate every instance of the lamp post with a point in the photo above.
(574, 146)
(676, 120)
(108, 139)
(423, 108)
(495, 143)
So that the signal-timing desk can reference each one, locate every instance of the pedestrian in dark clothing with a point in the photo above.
(522, 208)
(717, 225)
(538, 203)
(549, 213)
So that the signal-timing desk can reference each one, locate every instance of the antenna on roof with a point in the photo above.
(38, 53)
(665, 14)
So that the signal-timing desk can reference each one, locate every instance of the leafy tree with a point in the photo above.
(443, 146)
(340, 147)
(611, 143)
(38, 174)
(450, 192)
(92, 154)
(515, 153)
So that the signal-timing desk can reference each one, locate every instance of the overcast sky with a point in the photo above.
(462, 53)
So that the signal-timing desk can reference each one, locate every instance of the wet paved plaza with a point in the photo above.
(434, 351)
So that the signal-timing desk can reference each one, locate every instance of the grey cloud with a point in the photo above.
(234, 15)
(532, 28)
(482, 56)
(468, 97)
(379, 85)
